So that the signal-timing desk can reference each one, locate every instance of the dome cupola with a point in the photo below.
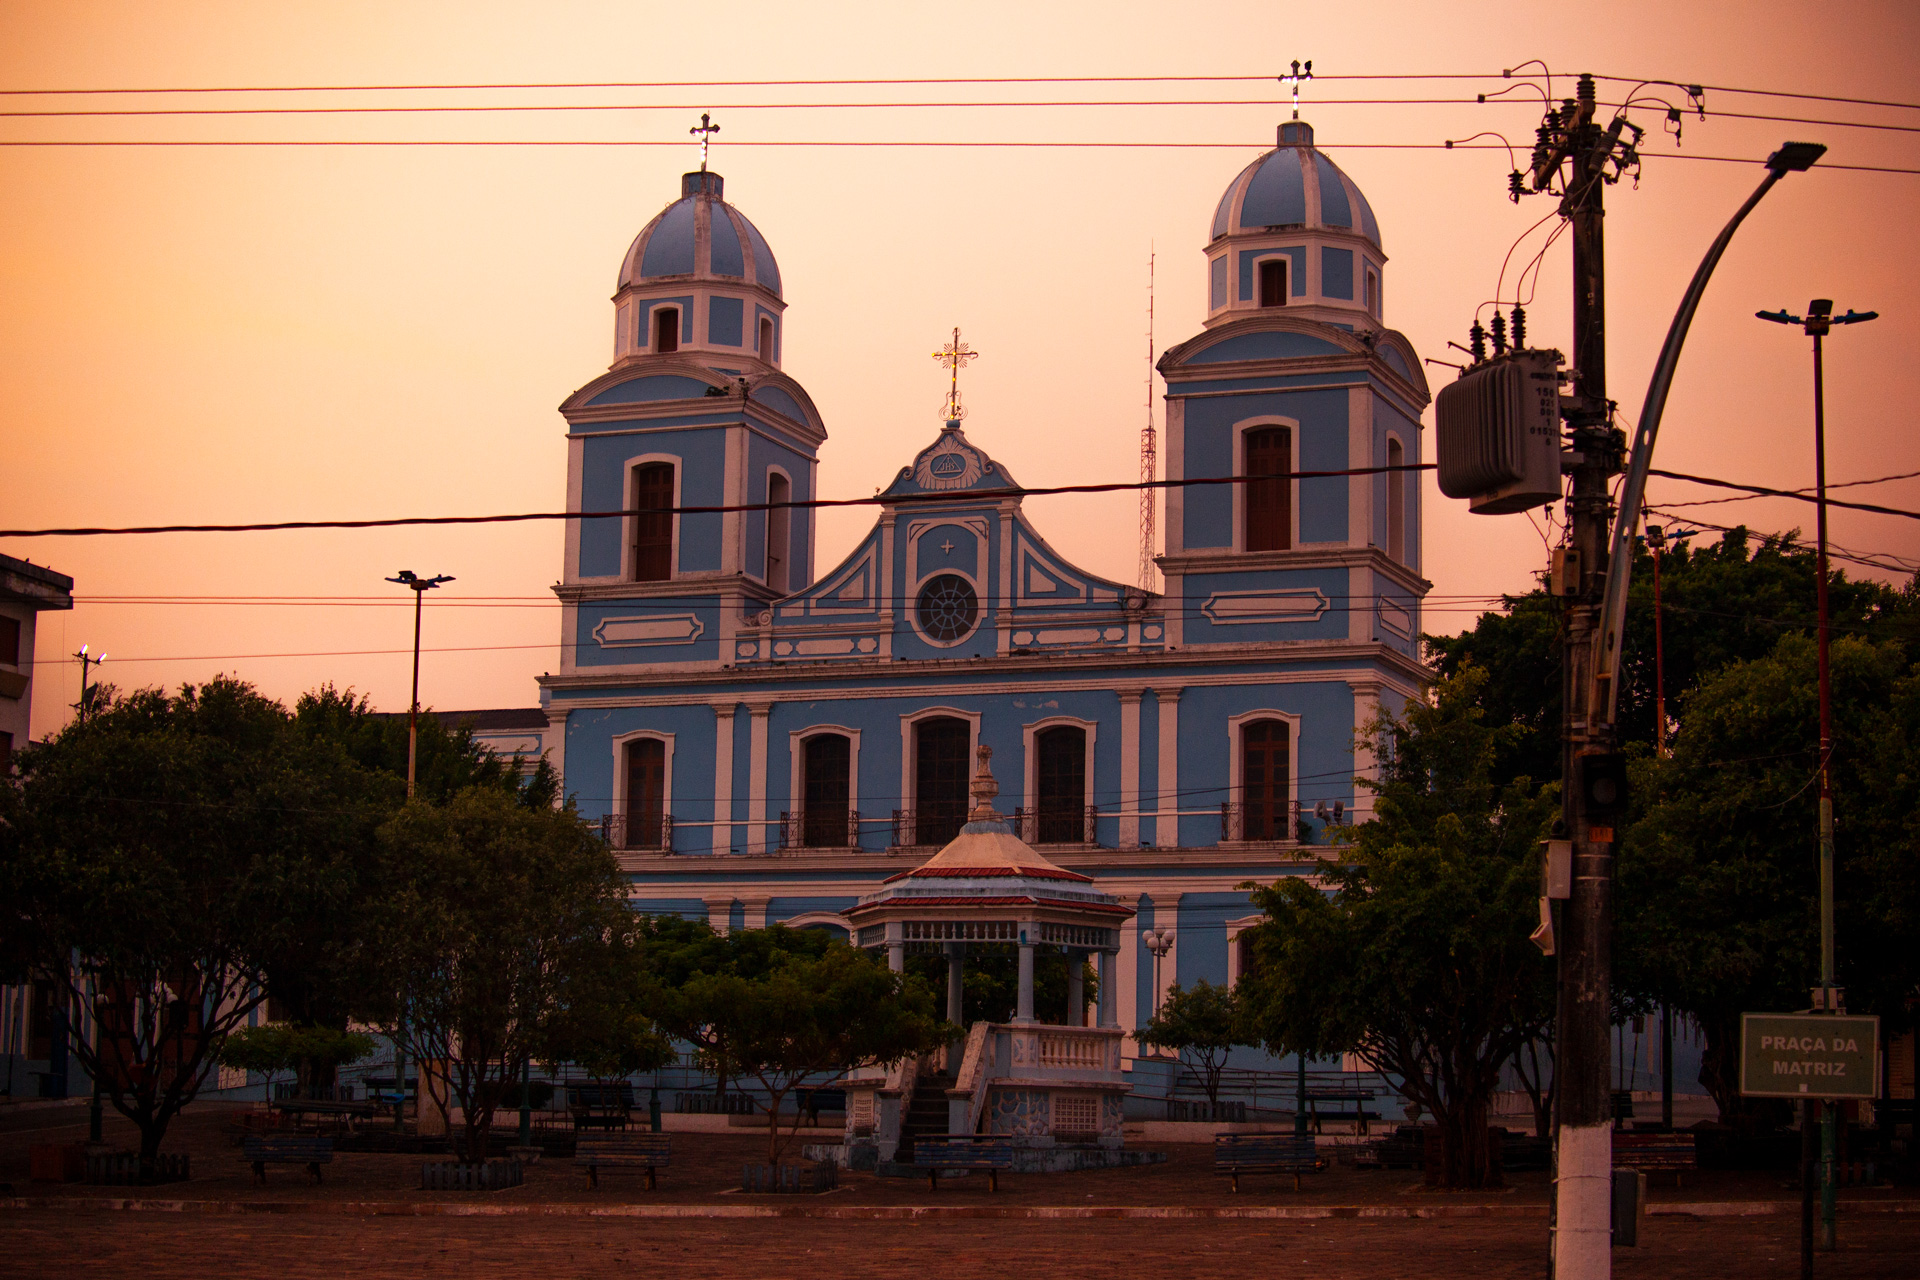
(1292, 230)
(701, 281)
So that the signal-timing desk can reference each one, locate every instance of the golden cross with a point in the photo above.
(703, 131)
(954, 356)
(1294, 80)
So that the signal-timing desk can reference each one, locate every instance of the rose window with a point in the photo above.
(948, 608)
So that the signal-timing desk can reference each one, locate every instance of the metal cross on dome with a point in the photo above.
(704, 131)
(954, 356)
(1295, 78)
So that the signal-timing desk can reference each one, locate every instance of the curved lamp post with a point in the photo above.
(1792, 157)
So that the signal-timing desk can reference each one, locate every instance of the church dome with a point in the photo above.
(1294, 185)
(700, 236)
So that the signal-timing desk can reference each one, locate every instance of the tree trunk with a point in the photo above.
(1466, 1147)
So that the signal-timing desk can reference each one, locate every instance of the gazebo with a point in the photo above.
(1054, 1090)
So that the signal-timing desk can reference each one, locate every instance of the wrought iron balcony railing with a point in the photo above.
(1069, 824)
(648, 831)
(819, 829)
(927, 825)
(1242, 823)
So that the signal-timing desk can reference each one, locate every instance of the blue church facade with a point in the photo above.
(766, 739)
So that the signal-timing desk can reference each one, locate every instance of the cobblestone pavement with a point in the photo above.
(156, 1246)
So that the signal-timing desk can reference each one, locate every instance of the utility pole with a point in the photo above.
(86, 660)
(1818, 321)
(420, 587)
(1593, 156)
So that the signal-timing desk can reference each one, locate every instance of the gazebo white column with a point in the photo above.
(1023, 1008)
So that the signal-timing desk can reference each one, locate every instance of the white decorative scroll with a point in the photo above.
(655, 628)
(1292, 604)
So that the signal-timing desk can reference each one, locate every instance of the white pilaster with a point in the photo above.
(554, 743)
(723, 777)
(1366, 709)
(757, 840)
(1130, 767)
(720, 914)
(1166, 830)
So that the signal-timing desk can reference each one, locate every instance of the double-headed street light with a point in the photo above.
(420, 586)
(1826, 997)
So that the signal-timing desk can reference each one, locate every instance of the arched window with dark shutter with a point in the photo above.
(666, 330)
(940, 777)
(1396, 502)
(826, 771)
(1269, 502)
(1265, 782)
(779, 532)
(653, 522)
(1060, 777)
(646, 792)
(1273, 282)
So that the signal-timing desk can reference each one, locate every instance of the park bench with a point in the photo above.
(600, 1106)
(1656, 1151)
(1359, 1098)
(1238, 1153)
(263, 1149)
(633, 1149)
(962, 1151)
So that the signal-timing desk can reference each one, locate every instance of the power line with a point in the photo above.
(1021, 144)
(909, 499)
(878, 82)
(1798, 495)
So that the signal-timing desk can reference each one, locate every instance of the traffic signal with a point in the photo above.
(1603, 791)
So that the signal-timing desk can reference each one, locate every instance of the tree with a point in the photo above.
(1722, 602)
(1718, 878)
(1419, 959)
(162, 852)
(273, 1047)
(804, 1017)
(496, 910)
(1202, 1023)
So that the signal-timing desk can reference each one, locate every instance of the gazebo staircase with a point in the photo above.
(927, 1114)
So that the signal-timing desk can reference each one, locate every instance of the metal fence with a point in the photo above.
(649, 832)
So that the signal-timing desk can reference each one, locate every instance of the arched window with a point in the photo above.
(1273, 282)
(653, 522)
(646, 792)
(940, 778)
(1060, 776)
(1269, 503)
(1373, 294)
(779, 531)
(1264, 752)
(1396, 502)
(666, 329)
(766, 340)
(826, 765)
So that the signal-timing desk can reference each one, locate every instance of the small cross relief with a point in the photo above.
(946, 548)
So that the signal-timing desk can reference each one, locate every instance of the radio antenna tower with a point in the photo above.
(1149, 451)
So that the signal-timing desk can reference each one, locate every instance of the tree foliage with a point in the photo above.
(496, 912)
(1202, 1023)
(1718, 879)
(1419, 959)
(785, 1007)
(163, 858)
(273, 1047)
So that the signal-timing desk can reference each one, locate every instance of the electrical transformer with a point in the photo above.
(1497, 433)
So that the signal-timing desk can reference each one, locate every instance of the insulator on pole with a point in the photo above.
(1519, 328)
(1478, 341)
(1499, 334)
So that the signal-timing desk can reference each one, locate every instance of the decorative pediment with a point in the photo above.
(951, 464)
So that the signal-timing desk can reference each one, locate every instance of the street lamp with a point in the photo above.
(420, 587)
(1159, 942)
(1826, 997)
(86, 660)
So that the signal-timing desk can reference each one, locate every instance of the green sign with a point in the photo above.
(1809, 1055)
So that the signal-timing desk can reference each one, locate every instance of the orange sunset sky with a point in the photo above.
(225, 334)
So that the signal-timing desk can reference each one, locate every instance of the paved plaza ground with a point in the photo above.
(370, 1218)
